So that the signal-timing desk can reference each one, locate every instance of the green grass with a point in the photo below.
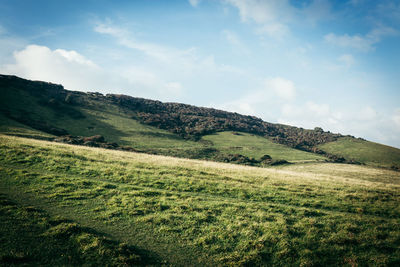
(119, 127)
(29, 236)
(11, 127)
(364, 151)
(188, 212)
(256, 146)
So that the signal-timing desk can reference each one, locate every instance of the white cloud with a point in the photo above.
(73, 56)
(362, 43)
(396, 118)
(309, 115)
(239, 106)
(271, 93)
(272, 15)
(235, 41)
(232, 37)
(125, 39)
(261, 11)
(169, 62)
(366, 114)
(194, 3)
(174, 88)
(273, 30)
(283, 88)
(357, 42)
(347, 59)
(318, 110)
(75, 72)
(186, 61)
(70, 68)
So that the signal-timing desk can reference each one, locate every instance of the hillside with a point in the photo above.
(74, 205)
(47, 111)
(363, 151)
(145, 125)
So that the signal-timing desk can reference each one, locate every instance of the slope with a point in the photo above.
(365, 152)
(44, 110)
(189, 212)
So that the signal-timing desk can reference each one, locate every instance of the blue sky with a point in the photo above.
(333, 64)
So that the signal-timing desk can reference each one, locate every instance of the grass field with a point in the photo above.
(363, 151)
(65, 205)
(256, 146)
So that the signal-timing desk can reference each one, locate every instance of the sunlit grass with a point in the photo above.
(193, 212)
(365, 152)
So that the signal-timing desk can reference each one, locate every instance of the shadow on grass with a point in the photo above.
(30, 236)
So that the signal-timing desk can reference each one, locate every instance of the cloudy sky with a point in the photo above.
(333, 64)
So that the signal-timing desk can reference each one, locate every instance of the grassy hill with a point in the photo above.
(44, 110)
(69, 205)
(363, 151)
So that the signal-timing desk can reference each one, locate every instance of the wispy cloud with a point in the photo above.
(194, 3)
(359, 42)
(186, 61)
(274, 30)
(271, 15)
(234, 40)
(347, 60)
(262, 11)
(275, 17)
(124, 38)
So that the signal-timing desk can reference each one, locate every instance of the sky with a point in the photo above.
(306, 63)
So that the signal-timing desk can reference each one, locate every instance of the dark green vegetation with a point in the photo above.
(124, 207)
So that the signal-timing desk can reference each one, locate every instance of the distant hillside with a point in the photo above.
(46, 110)
(365, 152)
(185, 120)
